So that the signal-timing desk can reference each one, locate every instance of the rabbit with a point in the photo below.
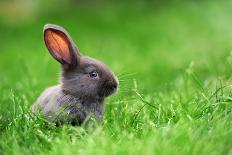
(84, 84)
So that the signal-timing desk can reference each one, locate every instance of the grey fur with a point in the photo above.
(78, 95)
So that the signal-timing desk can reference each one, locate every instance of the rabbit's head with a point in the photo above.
(82, 76)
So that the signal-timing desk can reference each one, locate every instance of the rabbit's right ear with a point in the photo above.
(61, 46)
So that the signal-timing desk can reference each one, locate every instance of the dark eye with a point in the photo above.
(93, 74)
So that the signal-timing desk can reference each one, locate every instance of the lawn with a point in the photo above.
(173, 61)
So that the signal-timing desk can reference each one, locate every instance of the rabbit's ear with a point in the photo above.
(61, 46)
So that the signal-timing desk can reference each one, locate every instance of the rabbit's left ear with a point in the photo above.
(61, 46)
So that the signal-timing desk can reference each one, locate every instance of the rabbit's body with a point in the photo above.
(85, 82)
(61, 107)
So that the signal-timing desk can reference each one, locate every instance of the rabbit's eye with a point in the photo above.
(93, 74)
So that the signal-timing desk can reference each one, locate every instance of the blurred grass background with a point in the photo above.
(173, 55)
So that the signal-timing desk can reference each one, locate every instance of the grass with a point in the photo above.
(174, 66)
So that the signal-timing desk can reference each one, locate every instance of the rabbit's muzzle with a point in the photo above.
(108, 88)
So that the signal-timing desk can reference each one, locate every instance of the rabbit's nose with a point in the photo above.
(112, 85)
(115, 86)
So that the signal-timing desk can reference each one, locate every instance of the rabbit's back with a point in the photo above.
(47, 101)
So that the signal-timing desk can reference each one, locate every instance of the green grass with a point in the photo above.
(174, 63)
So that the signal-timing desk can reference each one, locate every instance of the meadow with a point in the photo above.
(174, 64)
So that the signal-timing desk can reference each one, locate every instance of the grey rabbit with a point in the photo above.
(85, 82)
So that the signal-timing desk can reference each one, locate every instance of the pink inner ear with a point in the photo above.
(58, 45)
